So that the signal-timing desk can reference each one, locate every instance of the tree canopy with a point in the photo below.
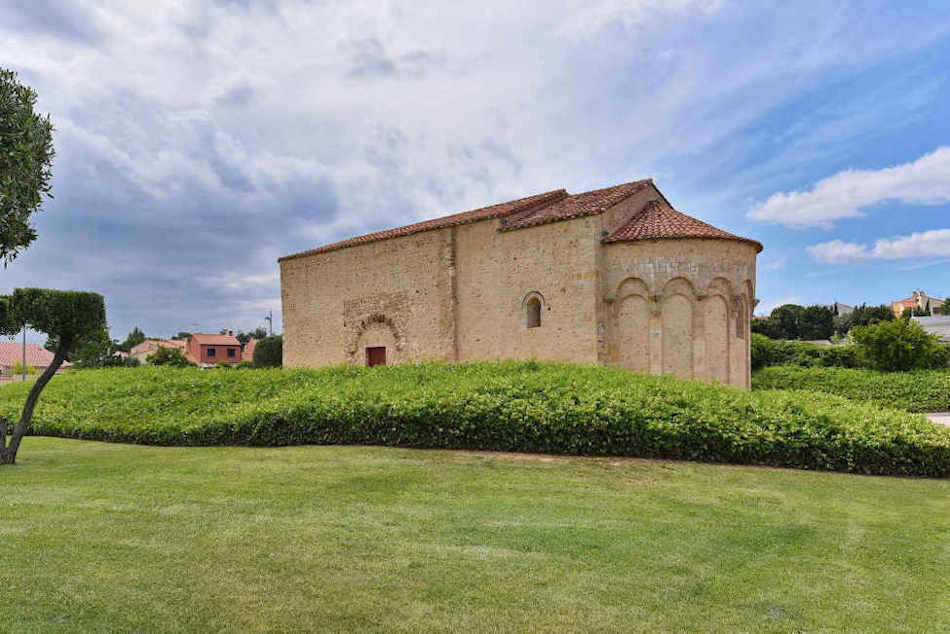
(791, 321)
(26, 157)
(134, 338)
(257, 333)
(68, 315)
(269, 352)
(900, 345)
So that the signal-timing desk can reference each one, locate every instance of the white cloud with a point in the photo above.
(917, 245)
(200, 139)
(775, 264)
(847, 194)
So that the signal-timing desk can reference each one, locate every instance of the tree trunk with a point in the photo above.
(8, 453)
(3, 437)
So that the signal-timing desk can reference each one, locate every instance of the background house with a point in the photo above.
(208, 350)
(11, 354)
(918, 301)
(147, 347)
(841, 309)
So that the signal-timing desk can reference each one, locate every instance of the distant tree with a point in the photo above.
(169, 356)
(182, 336)
(257, 333)
(26, 158)
(70, 317)
(792, 322)
(134, 338)
(788, 320)
(768, 328)
(269, 352)
(816, 322)
(98, 351)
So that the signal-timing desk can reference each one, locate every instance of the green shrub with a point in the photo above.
(899, 345)
(269, 352)
(766, 352)
(17, 369)
(920, 391)
(526, 407)
(169, 356)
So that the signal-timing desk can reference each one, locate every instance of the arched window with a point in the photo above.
(533, 313)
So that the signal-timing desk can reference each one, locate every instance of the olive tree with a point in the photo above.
(68, 316)
(26, 157)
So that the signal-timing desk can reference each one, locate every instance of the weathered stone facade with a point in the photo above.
(674, 298)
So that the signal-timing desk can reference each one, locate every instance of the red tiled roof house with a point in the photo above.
(213, 349)
(614, 276)
(11, 355)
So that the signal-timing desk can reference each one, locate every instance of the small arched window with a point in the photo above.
(533, 313)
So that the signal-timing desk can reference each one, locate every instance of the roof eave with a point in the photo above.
(758, 245)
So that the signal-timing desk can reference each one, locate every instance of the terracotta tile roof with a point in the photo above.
(215, 340)
(150, 345)
(11, 353)
(573, 206)
(248, 353)
(483, 213)
(657, 221)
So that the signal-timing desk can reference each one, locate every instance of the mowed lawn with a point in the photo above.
(115, 537)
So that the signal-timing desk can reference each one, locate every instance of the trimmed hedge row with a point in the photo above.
(525, 407)
(919, 391)
(766, 352)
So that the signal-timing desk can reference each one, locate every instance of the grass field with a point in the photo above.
(113, 537)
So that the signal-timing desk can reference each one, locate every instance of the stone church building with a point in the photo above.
(614, 276)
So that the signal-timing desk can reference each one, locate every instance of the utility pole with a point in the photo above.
(269, 318)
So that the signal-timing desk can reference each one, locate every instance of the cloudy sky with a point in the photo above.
(199, 141)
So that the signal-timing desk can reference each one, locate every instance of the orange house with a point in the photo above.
(212, 349)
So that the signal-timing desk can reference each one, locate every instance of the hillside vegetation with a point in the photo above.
(919, 391)
(523, 407)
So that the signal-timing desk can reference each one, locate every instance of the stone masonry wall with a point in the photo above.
(679, 306)
(499, 271)
(399, 291)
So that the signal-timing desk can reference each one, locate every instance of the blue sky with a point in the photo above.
(199, 141)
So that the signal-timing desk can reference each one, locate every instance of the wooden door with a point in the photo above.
(375, 356)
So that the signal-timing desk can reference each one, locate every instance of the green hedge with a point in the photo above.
(766, 352)
(919, 391)
(526, 407)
